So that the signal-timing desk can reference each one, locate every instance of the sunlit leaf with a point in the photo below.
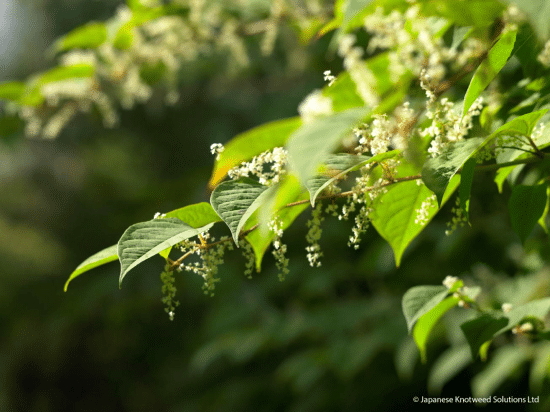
(477, 13)
(196, 215)
(521, 125)
(343, 93)
(100, 258)
(88, 36)
(146, 239)
(395, 214)
(489, 68)
(11, 90)
(245, 146)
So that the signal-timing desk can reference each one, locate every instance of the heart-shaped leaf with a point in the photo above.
(144, 240)
(235, 201)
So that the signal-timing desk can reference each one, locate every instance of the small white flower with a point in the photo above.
(506, 307)
(217, 148)
(449, 281)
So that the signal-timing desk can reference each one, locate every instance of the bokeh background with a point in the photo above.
(326, 339)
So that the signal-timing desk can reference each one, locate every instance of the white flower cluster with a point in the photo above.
(376, 138)
(315, 105)
(159, 215)
(279, 249)
(160, 46)
(268, 166)
(362, 76)
(447, 124)
(415, 44)
(313, 235)
(423, 213)
(405, 120)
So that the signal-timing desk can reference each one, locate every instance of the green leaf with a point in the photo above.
(336, 166)
(352, 8)
(11, 90)
(538, 12)
(56, 74)
(88, 36)
(100, 258)
(124, 37)
(426, 323)
(447, 366)
(343, 93)
(460, 34)
(521, 125)
(438, 171)
(504, 363)
(288, 191)
(485, 327)
(313, 142)
(466, 178)
(477, 13)
(489, 68)
(32, 95)
(245, 146)
(395, 213)
(144, 240)
(537, 308)
(501, 175)
(419, 300)
(542, 220)
(482, 329)
(235, 201)
(526, 206)
(196, 215)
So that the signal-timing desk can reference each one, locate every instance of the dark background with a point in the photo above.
(325, 339)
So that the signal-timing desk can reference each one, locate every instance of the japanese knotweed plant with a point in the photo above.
(423, 105)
